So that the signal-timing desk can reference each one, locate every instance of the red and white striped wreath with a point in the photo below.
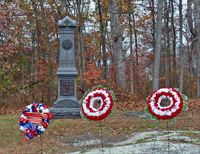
(168, 112)
(97, 94)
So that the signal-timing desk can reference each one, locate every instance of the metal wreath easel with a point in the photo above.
(167, 136)
(101, 137)
(37, 120)
(41, 140)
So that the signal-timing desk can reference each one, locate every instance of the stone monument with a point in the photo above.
(66, 105)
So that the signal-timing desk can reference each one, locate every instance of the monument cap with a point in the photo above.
(67, 21)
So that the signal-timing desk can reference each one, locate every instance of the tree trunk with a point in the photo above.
(79, 44)
(83, 60)
(155, 84)
(103, 43)
(165, 46)
(190, 22)
(190, 65)
(197, 43)
(48, 51)
(32, 48)
(131, 48)
(181, 47)
(153, 21)
(195, 32)
(136, 44)
(117, 43)
(32, 56)
(37, 28)
(174, 39)
(168, 50)
(136, 53)
(108, 37)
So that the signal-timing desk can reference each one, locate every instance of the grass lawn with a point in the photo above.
(58, 129)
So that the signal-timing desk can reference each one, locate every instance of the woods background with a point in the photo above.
(115, 42)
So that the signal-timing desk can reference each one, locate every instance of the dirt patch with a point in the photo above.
(76, 143)
(140, 115)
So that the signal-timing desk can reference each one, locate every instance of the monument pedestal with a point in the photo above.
(64, 113)
(66, 108)
(67, 105)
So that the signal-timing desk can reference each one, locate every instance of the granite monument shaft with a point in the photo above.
(66, 105)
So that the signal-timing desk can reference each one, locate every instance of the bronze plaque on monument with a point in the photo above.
(67, 44)
(67, 88)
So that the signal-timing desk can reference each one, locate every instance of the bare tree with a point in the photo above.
(44, 20)
(103, 42)
(79, 43)
(117, 43)
(131, 48)
(181, 46)
(165, 44)
(155, 84)
(37, 29)
(174, 37)
(151, 3)
(197, 43)
(195, 31)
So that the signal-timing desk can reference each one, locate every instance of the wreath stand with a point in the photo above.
(172, 121)
(106, 99)
(175, 103)
(35, 119)
(101, 137)
(41, 141)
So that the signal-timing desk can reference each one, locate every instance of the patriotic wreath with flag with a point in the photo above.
(106, 98)
(41, 116)
(175, 106)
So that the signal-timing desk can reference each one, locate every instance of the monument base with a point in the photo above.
(64, 113)
(66, 108)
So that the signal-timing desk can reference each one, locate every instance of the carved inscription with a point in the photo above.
(67, 103)
(67, 63)
(67, 44)
(69, 113)
(66, 114)
(67, 88)
(60, 114)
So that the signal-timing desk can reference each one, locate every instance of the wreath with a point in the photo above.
(36, 111)
(174, 103)
(106, 99)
